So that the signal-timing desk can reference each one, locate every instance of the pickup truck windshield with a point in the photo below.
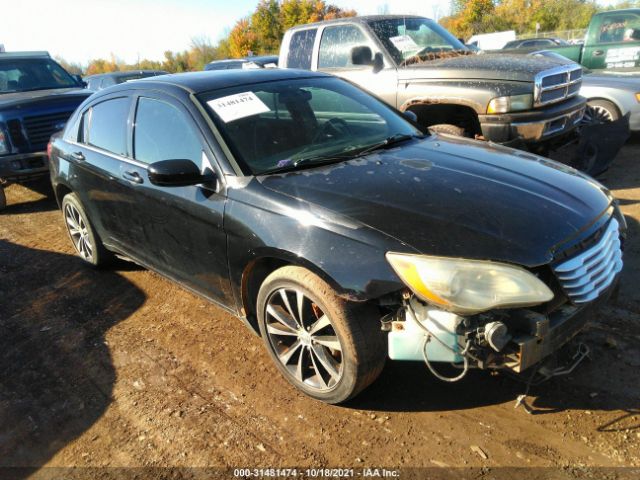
(405, 38)
(285, 125)
(22, 75)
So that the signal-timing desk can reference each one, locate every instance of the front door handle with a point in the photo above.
(598, 53)
(132, 176)
(78, 156)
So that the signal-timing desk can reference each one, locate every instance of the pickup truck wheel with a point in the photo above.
(83, 237)
(448, 129)
(329, 348)
(600, 111)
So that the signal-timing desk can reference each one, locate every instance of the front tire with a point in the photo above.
(600, 111)
(85, 240)
(329, 348)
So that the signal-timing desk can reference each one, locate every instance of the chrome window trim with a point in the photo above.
(110, 154)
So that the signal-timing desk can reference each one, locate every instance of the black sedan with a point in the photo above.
(335, 228)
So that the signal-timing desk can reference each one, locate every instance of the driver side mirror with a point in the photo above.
(363, 55)
(175, 173)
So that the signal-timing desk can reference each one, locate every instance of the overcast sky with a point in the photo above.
(79, 30)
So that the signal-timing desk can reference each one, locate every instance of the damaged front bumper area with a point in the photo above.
(513, 339)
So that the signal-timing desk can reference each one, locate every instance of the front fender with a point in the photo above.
(349, 256)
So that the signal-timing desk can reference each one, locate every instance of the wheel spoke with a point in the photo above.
(317, 370)
(276, 329)
(285, 300)
(300, 301)
(329, 341)
(274, 313)
(321, 323)
(288, 353)
(87, 245)
(326, 362)
(299, 365)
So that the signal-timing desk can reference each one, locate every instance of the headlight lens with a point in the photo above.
(638, 97)
(4, 142)
(516, 103)
(468, 286)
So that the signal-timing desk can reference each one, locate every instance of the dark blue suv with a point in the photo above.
(37, 96)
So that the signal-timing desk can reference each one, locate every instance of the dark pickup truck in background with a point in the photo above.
(612, 42)
(37, 96)
(415, 65)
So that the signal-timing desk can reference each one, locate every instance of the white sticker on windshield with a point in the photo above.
(237, 106)
(404, 43)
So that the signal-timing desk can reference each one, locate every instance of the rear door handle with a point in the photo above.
(78, 156)
(132, 176)
(598, 53)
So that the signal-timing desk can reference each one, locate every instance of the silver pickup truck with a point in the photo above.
(415, 65)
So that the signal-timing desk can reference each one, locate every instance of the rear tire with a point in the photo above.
(83, 236)
(448, 129)
(329, 348)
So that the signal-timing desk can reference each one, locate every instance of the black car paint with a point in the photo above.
(438, 195)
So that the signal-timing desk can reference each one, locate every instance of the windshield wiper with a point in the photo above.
(386, 143)
(328, 159)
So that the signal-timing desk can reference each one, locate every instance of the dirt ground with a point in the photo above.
(122, 368)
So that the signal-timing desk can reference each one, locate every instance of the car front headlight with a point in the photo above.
(468, 286)
(515, 103)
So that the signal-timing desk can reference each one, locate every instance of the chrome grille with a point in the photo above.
(557, 84)
(585, 276)
(39, 129)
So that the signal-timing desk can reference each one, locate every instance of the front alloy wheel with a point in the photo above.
(304, 340)
(326, 346)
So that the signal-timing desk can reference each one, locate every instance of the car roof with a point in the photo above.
(199, 82)
(359, 19)
(124, 73)
(22, 55)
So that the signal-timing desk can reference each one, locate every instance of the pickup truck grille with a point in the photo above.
(586, 275)
(557, 84)
(40, 128)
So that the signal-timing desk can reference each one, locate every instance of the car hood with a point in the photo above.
(16, 99)
(612, 81)
(457, 197)
(488, 66)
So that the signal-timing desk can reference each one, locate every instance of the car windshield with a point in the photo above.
(21, 75)
(406, 38)
(291, 124)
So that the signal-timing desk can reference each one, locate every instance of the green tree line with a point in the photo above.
(470, 17)
(258, 33)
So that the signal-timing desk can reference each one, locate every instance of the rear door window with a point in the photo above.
(336, 45)
(301, 49)
(105, 125)
(163, 132)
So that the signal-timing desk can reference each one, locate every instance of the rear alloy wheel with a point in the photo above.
(327, 347)
(84, 239)
(600, 111)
